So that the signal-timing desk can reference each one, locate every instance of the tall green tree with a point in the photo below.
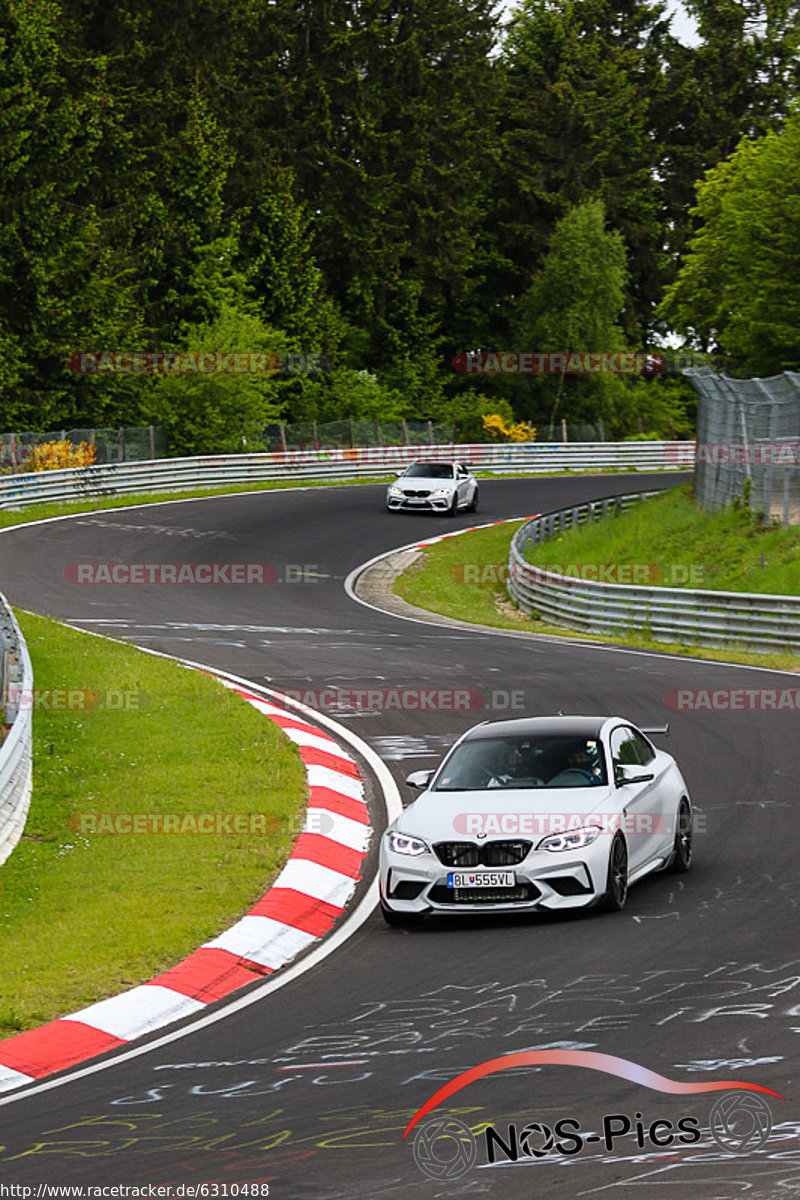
(575, 119)
(63, 281)
(738, 291)
(386, 129)
(574, 304)
(740, 78)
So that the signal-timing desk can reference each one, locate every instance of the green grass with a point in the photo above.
(437, 582)
(83, 916)
(727, 551)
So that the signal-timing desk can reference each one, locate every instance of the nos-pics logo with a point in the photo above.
(740, 1121)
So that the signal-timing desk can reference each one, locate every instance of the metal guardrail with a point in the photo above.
(756, 621)
(16, 751)
(176, 474)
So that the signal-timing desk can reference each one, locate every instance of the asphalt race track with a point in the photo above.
(310, 1088)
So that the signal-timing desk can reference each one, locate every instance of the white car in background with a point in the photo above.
(444, 487)
(547, 813)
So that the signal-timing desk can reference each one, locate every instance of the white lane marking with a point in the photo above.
(137, 1011)
(327, 946)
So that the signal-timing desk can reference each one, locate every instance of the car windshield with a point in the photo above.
(429, 471)
(529, 761)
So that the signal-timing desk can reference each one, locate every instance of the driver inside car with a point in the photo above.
(516, 765)
(579, 759)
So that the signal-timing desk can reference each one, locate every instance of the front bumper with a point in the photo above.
(544, 880)
(419, 503)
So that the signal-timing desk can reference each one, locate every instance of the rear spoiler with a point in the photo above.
(651, 729)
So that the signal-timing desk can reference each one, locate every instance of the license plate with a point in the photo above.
(481, 879)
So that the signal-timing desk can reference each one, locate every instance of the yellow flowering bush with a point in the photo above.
(53, 456)
(522, 431)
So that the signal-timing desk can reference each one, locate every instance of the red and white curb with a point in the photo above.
(305, 900)
(442, 537)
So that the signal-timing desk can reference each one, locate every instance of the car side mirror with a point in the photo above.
(630, 773)
(400, 472)
(419, 779)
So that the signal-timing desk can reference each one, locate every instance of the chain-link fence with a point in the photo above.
(133, 443)
(748, 430)
(356, 431)
(367, 431)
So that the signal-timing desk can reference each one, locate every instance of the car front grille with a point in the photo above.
(489, 854)
(521, 894)
(418, 495)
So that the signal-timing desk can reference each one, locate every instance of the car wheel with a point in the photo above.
(400, 920)
(453, 509)
(616, 891)
(682, 851)
(473, 504)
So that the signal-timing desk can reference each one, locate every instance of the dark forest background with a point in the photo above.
(386, 183)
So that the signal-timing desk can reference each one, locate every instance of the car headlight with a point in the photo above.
(395, 491)
(576, 839)
(440, 492)
(402, 843)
